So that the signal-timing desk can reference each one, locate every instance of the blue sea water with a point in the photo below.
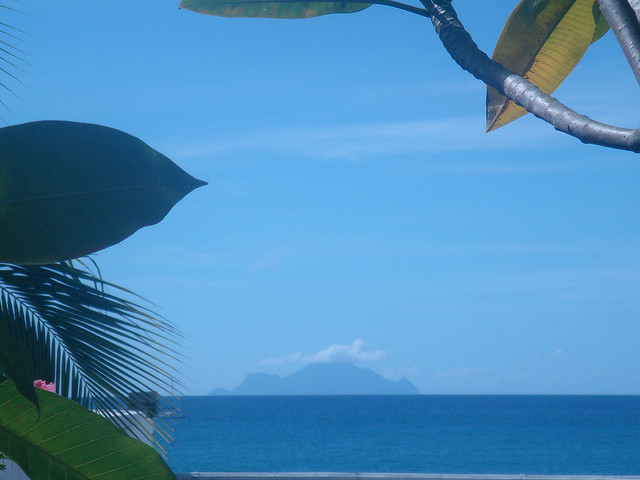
(563, 435)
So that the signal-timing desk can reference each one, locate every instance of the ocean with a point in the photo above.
(485, 434)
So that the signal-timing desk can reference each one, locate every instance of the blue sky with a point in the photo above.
(356, 210)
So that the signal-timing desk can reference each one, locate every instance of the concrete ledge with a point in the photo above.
(383, 476)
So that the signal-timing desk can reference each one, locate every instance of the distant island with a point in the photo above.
(322, 379)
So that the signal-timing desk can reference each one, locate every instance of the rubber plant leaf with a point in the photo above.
(68, 441)
(543, 40)
(271, 9)
(69, 189)
(15, 361)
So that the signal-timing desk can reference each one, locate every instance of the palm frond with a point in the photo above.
(87, 336)
(12, 57)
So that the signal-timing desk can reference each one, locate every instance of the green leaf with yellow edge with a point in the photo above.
(68, 441)
(69, 189)
(543, 40)
(291, 9)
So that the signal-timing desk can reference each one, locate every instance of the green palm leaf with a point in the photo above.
(291, 9)
(86, 336)
(68, 441)
(12, 58)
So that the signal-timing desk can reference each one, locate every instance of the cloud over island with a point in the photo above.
(358, 351)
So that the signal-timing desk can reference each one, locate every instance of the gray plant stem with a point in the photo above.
(624, 23)
(467, 55)
(635, 5)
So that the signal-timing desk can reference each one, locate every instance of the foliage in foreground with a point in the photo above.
(541, 43)
(75, 329)
(71, 189)
(64, 440)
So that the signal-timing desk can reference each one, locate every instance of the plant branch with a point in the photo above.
(635, 5)
(403, 6)
(624, 23)
(467, 55)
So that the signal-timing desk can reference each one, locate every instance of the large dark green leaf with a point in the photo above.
(271, 9)
(71, 442)
(543, 40)
(68, 189)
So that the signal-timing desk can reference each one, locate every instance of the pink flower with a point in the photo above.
(49, 387)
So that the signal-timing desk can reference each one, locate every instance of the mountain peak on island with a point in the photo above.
(322, 379)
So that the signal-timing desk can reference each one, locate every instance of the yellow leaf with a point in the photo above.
(543, 40)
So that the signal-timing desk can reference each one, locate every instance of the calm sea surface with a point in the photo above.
(586, 435)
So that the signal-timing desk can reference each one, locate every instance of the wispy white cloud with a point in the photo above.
(357, 141)
(419, 90)
(357, 352)
(295, 358)
(268, 260)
